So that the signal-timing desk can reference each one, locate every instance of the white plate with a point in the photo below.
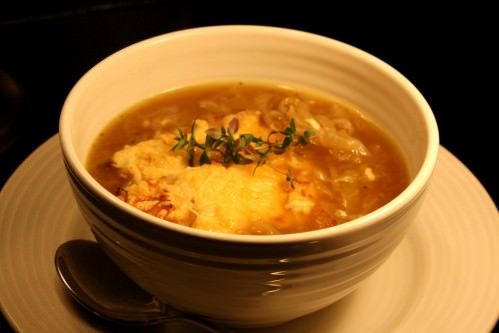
(444, 276)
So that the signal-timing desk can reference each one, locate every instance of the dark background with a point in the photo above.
(446, 52)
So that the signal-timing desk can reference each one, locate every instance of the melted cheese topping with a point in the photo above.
(233, 199)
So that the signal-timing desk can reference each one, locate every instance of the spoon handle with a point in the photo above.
(97, 284)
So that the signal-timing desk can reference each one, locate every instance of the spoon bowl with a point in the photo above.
(97, 284)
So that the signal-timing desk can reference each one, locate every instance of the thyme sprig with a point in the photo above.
(222, 146)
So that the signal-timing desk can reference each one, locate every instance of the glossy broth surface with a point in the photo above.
(238, 174)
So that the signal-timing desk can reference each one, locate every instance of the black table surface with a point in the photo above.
(448, 54)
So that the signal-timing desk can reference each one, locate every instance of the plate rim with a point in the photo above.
(53, 143)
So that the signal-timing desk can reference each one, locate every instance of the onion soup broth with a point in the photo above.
(248, 158)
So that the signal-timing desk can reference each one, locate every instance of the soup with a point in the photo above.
(248, 158)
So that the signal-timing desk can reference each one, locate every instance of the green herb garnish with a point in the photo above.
(221, 146)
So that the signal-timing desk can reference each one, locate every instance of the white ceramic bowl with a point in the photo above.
(237, 279)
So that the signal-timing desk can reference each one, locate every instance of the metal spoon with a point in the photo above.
(95, 282)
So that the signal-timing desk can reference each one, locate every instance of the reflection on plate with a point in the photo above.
(444, 276)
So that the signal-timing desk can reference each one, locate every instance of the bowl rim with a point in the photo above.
(378, 216)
